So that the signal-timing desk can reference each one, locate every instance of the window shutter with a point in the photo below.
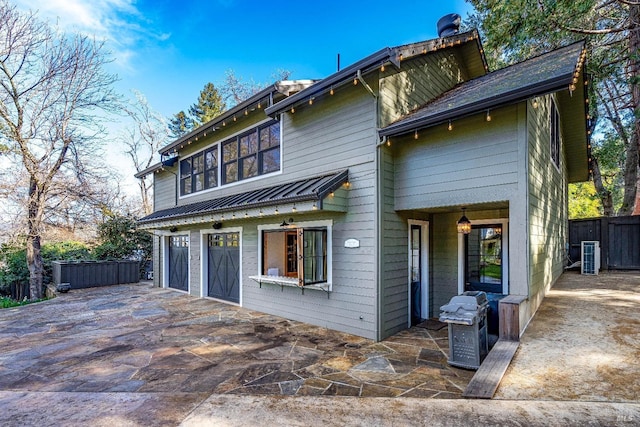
(300, 257)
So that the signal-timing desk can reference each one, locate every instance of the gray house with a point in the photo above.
(336, 202)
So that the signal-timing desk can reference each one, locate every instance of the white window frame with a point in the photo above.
(220, 142)
(424, 276)
(553, 112)
(328, 224)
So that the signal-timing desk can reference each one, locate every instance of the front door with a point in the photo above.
(484, 265)
(179, 262)
(416, 274)
(223, 263)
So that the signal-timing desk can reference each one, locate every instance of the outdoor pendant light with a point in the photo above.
(464, 225)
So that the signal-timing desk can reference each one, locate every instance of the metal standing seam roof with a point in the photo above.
(537, 76)
(310, 189)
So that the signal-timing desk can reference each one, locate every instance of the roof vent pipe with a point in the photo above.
(448, 25)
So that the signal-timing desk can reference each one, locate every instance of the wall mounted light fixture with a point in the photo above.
(464, 225)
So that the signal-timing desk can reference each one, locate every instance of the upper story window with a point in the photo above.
(245, 156)
(251, 154)
(200, 171)
(555, 135)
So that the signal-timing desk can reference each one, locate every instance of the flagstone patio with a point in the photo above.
(138, 338)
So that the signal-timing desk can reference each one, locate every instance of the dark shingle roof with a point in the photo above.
(311, 189)
(537, 76)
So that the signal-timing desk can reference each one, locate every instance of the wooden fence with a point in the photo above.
(619, 239)
(87, 274)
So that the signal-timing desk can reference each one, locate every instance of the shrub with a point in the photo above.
(14, 270)
(62, 251)
(13, 267)
(121, 239)
(8, 302)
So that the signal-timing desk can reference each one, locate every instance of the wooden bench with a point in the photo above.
(485, 382)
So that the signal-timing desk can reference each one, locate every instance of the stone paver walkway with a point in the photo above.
(140, 356)
(137, 338)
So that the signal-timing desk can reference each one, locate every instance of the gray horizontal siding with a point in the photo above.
(394, 257)
(475, 161)
(334, 133)
(443, 261)
(547, 205)
(418, 81)
(164, 184)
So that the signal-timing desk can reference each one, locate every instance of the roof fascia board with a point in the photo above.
(213, 124)
(337, 79)
(513, 97)
(394, 55)
(149, 170)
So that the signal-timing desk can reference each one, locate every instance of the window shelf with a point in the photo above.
(291, 283)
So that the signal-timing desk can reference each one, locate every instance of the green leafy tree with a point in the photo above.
(13, 271)
(121, 239)
(517, 29)
(13, 259)
(584, 201)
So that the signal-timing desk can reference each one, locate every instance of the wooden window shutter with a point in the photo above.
(300, 257)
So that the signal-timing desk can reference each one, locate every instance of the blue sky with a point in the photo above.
(169, 50)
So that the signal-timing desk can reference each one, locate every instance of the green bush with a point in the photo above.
(62, 251)
(8, 302)
(121, 239)
(13, 261)
(13, 267)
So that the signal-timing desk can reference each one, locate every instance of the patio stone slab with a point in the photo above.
(137, 338)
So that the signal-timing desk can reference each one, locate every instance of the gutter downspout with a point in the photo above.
(364, 83)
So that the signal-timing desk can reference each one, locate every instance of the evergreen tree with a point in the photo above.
(517, 29)
(180, 124)
(210, 105)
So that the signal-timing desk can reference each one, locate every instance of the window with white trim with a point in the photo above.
(298, 253)
(247, 155)
(200, 171)
(251, 154)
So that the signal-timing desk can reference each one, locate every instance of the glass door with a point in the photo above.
(484, 263)
(415, 260)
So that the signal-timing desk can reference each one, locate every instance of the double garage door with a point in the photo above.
(222, 265)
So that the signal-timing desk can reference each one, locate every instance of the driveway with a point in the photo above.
(141, 356)
(583, 343)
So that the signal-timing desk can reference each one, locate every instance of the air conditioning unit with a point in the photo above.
(590, 256)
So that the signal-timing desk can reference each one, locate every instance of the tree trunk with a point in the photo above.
(632, 166)
(34, 254)
(605, 195)
(631, 174)
(144, 195)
